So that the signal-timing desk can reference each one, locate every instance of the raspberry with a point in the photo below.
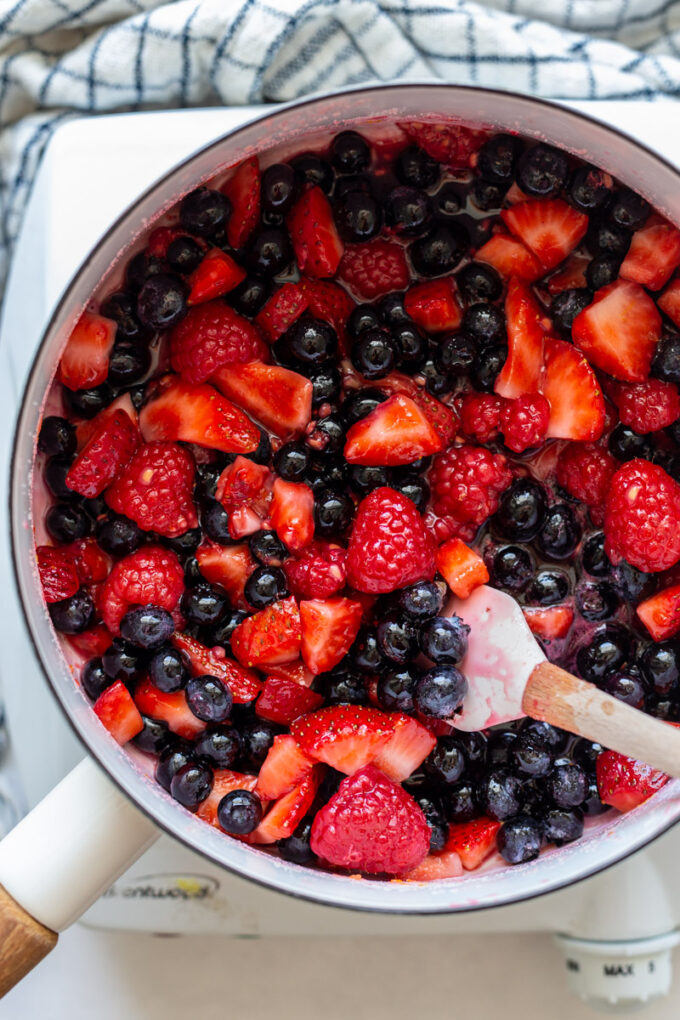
(585, 471)
(467, 482)
(155, 489)
(524, 421)
(371, 824)
(642, 517)
(150, 576)
(375, 268)
(389, 546)
(212, 335)
(318, 572)
(480, 416)
(647, 406)
(451, 144)
(58, 574)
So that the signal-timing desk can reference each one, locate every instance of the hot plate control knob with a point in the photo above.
(619, 977)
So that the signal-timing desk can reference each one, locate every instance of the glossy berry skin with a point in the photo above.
(155, 736)
(485, 323)
(596, 601)
(278, 188)
(171, 760)
(448, 202)
(350, 153)
(162, 301)
(312, 168)
(248, 297)
(461, 801)
(542, 732)
(221, 634)
(440, 692)
(184, 545)
(374, 354)
(567, 305)
(147, 626)
(666, 362)
(363, 317)
(440, 251)
(326, 384)
(396, 688)
(530, 758)
(408, 211)
(521, 511)
(267, 548)
(55, 472)
(208, 698)
(500, 794)
(57, 436)
(342, 689)
(500, 745)
(128, 364)
(168, 670)
(468, 483)
(567, 784)
(594, 558)
(309, 341)
(628, 209)
(365, 653)
(364, 479)
(73, 615)
(660, 666)
(479, 282)
(602, 270)
(519, 839)
(268, 252)
(412, 347)
(120, 307)
(548, 587)
(420, 601)
(588, 188)
(358, 216)
(204, 211)
(560, 532)
(415, 488)
(296, 848)
(447, 762)
(626, 444)
(497, 158)
(431, 806)
(333, 513)
(205, 605)
(221, 748)
(184, 255)
(413, 166)
(444, 639)
(487, 365)
(542, 171)
(257, 737)
(606, 653)
(456, 355)
(356, 406)
(122, 661)
(512, 568)
(561, 826)
(94, 679)
(486, 195)
(626, 687)
(264, 586)
(87, 403)
(191, 784)
(240, 812)
(397, 637)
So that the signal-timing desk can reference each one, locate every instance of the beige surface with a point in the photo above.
(124, 977)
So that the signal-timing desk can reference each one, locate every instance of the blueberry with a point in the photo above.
(488, 364)
(461, 802)
(162, 301)
(362, 318)
(497, 158)
(184, 255)
(73, 615)
(626, 687)
(588, 188)
(444, 639)
(440, 250)
(414, 488)
(456, 354)
(208, 698)
(221, 634)
(448, 202)
(436, 381)
(326, 384)
(191, 784)
(625, 444)
(205, 604)
(334, 473)
(333, 513)
(397, 637)
(121, 308)
(350, 153)
(607, 651)
(595, 559)
(88, 403)
(122, 661)
(567, 305)
(408, 211)
(147, 626)
(374, 354)
(67, 523)
(522, 510)
(411, 346)
(239, 812)
(596, 601)
(440, 692)
(631, 584)
(605, 237)
(519, 839)
(154, 737)
(666, 362)
(486, 195)
(269, 252)
(592, 805)
(250, 295)
(365, 653)
(500, 794)
(475, 746)
(567, 784)
(585, 753)
(168, 670)
(396, 689)
(220, 747)
(312, 168)
(329, 434)
(94, 678)
(141, 268)
(186, 544)
(278, 187)
(478, 282)
(215, 522)
(267, 548)
(542, 171)
(602, 270)
(446, 763)
(549, 587)
(485, 324)
(551, 737)
(357, 216)
(309, 341)
(660, 666)
(55, 472)
(264, 586)
(501, 742)
(420, 601)
(413, 166)
(512, 568)
(628, 209)
(263, 453)
(364, 479)
(204, 211)
(296, 848)
(530, 758)
(560, 532)
(128, 364)
(57, 436)
(361, 403)
(257, 737)
(342, 688)
(431, 806)
(174, 757)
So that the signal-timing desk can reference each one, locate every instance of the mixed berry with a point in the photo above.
(330, 394)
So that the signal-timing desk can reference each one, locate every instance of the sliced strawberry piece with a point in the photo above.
(551, 229)
(284, 768)
(441, 417)
(577, 408)
(172, 708)
(571, 277)
(623, 782)
(669, 301)
(407, 748)
(278, 397)
(243, 191)
(396, 432)
(550, 622)
(329, 627)
(197, 414)
(434, 305)
(85, 360)
(330, 303)
(292, 514)
(653, 256)
(91, 642)
(454, 145)
(461, 567)
(473, 841)
(92, 563)
(315, 238)
(229, 566)
(510, 257)
(283, 700)
(104, 455)
(521, 372)
(217, 274)
(281, 310)
(243, 683)
(446, 864)
(346, 737)
(118, 712)
(86, 429)
(618, 332)
(295, 671)
(244, 482)
(211, 336)
(58, 574)
(270, 637)
(284, 816)
(375, 268)
(661, 613)
(224, 781)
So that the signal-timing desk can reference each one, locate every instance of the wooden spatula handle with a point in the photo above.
(557, 697)
(24, 942)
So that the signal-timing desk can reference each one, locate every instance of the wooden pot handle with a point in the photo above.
(24, 942)
(555, 696)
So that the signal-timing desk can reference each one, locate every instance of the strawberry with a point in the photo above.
(435, 867)
(551, 229)
(118, 712)
(549, 623)
(653, 256)
(454, 145)
(572, 276)
(371, 824)
(243, 683)
(243, 191)
(284, 816)
(210, 336)
(58, 574)
(292, 514)
(510, 257)
(243, 482)
(150, 575)
(91, 642)
(317, 572)
(284, 768)
(199, 414)
(461, 567)
(229, 566)
(440, 416)
(434, 305)
(346, 737)
(224, 781)
(473, 841)
(315, 238)
(277, 397)
(214, 276)
(283, 700)
(172, 708)
(375, 268)
(577, 408)
(407, 748)
(396, 432)
(295, 671)
(389, 547)
(104, 455)
(155, 489)
(623, 782)
(330, 303)
(661, 613)
(669, 301)
(618, 332)
(642, 517)
(270, 637)
(85, 359)
(329, 627)
(92, 563)
(86, 429)
(521, 372)
(281, 310)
